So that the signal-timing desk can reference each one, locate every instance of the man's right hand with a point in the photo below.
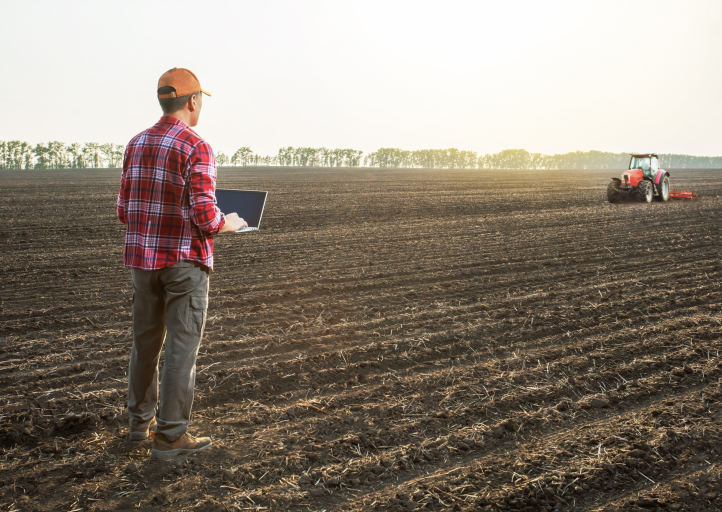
(233, 223)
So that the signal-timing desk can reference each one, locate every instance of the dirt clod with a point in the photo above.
(599, 403)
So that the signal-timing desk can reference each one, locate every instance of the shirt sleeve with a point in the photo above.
(120, 208)
(204, 212)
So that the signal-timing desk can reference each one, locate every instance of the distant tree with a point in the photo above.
(353, 157)
(536, 161)
(91, 155)
(41, 156)
(29, 156)
(106, 150)
(118, 155)
(390, 157)
(346, 157)
(241, 156)
(312, 157)
(221, 159)
(25, 155)
(285, 156)
(337, 158)
(15, 154)
(326, 156)
(425, 158)
(57, 157)
(467, 159)
(75, 153)
(112, 154)
(305, 157)
(244, 156)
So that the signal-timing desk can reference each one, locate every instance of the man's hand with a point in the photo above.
(233, 224)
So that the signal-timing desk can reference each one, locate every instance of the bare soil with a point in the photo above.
(389, 340)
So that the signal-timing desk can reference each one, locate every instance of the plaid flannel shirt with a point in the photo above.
(167, 198)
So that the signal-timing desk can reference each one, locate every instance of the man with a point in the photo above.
(167, 202)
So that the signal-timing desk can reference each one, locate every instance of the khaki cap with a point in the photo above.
(182, 80)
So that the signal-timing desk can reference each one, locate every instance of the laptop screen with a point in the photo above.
(248, 204)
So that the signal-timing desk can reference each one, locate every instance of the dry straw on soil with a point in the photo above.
(390, 340)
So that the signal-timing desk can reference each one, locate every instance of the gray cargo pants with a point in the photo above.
(168, 304)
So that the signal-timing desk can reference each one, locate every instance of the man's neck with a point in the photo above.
(182, 115)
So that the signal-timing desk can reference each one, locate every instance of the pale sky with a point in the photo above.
(546, 76)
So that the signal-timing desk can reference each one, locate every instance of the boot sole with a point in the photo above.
(169, 454)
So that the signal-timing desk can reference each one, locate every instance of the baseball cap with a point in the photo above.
(182, 80)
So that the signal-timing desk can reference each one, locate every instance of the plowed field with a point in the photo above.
(389, 340)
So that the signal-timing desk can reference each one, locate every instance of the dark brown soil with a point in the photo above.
(390, 340)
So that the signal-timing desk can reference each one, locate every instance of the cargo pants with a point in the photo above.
(169, 305)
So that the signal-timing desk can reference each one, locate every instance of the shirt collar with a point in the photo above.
(172, 120)
(177, 122)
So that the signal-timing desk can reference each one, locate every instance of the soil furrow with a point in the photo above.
(394, 340)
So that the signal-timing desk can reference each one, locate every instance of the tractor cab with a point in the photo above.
(649, 164)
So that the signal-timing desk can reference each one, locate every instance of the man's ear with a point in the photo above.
(192, 103)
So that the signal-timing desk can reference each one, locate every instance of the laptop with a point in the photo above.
(248, 204)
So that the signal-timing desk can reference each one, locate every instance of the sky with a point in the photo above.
(548, 77)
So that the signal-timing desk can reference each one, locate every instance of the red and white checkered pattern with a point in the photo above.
(167, 198)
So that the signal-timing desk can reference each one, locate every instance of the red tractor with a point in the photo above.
(643, 181)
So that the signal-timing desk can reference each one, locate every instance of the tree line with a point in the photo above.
(453, 158)
(58, 155)
(15, 154)
(296, 157)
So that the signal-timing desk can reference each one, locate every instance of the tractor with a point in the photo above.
(643, 181)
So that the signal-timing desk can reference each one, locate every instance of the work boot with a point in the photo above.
(138, 433)
(165, 449)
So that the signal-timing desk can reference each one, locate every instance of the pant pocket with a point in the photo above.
(199, 306)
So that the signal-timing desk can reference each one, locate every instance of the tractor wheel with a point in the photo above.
(663, 190)
(644, 191)
(613, 193)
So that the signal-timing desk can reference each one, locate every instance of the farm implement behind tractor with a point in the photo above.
(644, 181)
(685, 195)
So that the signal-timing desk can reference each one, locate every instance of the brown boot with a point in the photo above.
(138, 434)
(165, 449)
